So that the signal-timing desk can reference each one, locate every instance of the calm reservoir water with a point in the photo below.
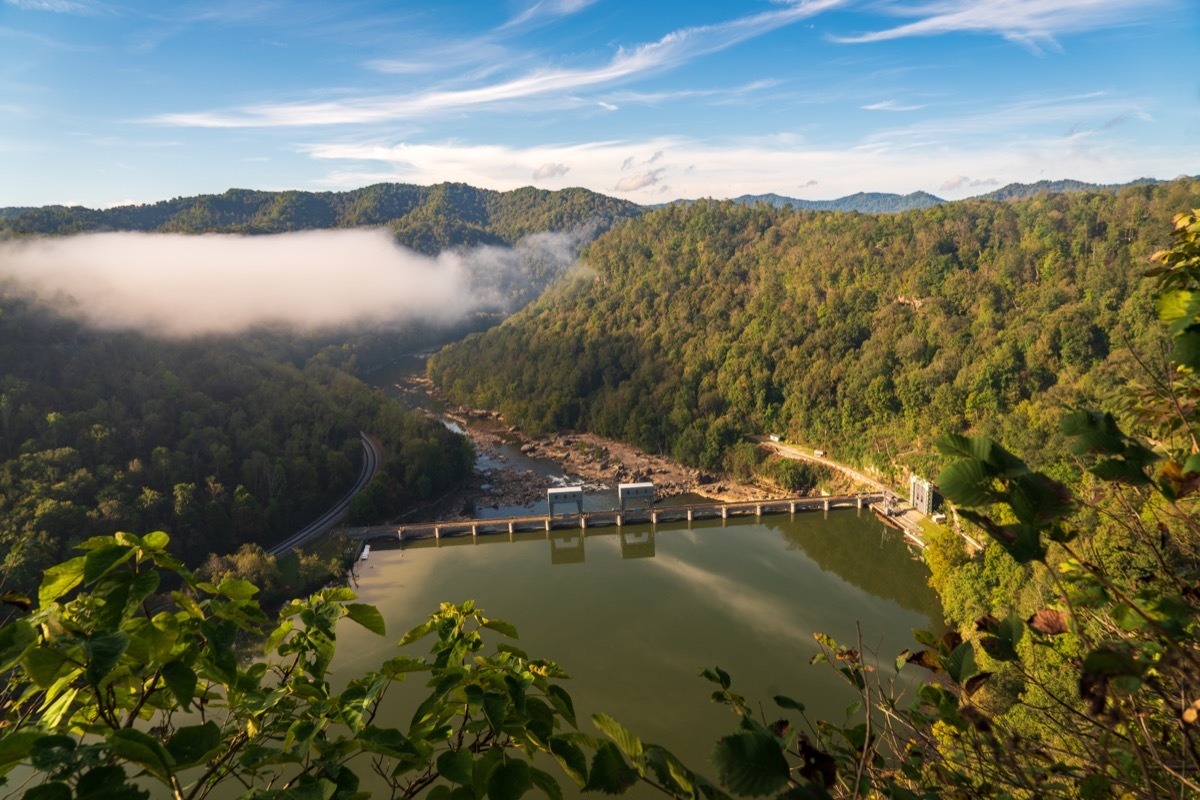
(634, 615)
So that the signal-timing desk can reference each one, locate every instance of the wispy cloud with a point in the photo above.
(670, 51)
(963, 182)
(55, 6)
(906, 161)
(1032, 23)
(631, 183)
(550, 170)
(890, 105)
(548, 9)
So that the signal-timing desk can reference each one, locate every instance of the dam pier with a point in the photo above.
(579, 519)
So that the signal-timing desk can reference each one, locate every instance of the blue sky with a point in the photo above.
(104, 102)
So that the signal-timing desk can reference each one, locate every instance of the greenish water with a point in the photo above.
(634, 615)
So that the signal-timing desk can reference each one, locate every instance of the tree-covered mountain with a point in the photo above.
(866, 333)
(886, 203)
(864, 202)
(426, 218)
(1021, 191)
(220, 441)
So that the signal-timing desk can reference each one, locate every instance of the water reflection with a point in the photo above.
(637, 545)
(642, 608)
(567, 549)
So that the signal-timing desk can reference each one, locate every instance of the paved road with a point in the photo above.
(372, 461)
(791, 451)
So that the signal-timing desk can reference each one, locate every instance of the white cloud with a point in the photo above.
(550, 170)
(907, 160)
(674, 49)
(548, 9)
(632, 183)
(56, 6)
(890, 105)
(963, 182)
(1032, 23)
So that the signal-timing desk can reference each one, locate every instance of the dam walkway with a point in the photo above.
(593, 519)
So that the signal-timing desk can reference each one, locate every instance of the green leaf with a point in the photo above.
(562, 703)
(237, 589)
(967, 484)
(630, 745)
(1003, 645)
(51, 752)
(98, 562)
(143, 750)
(104, 651)
(188, 604)
(402, 664)
(787, 702)
(386, 741)
(15, 639)
(60, 579)
(501, 627)
(960, 664)
(14, 747)
(547, 783)
(509, 781)
(419, 632)
(570, 757)
(368, 616)
(1187, 348)
(609, 774)
(194, 744)
(1174, 305)
(43, 664)
(751, 763)
(181, 680)
(11, 598)
(495, 704)
(108, 783)
(49, 791)
(716, 675)
(156, 540)
(277, 636)
(455, 765)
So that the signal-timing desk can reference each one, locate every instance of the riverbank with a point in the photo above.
(584, 458)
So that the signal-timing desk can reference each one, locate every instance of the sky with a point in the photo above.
(112, 102)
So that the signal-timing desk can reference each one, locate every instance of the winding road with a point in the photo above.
(372, 461)
(800, 454)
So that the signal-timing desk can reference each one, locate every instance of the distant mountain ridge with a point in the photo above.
(888, 203)
(865, 202)
(426, 218)
(431, 218)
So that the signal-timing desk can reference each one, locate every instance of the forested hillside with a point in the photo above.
(426, 218)
(224, 441)
(219, 441)
(865, 334)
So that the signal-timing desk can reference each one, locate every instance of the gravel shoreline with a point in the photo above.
(583, 457)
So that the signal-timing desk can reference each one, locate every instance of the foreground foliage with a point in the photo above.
(116, 688)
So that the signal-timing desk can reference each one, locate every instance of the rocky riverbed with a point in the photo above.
(584, 458)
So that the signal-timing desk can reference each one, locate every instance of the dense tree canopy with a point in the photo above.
(220, 441)
(863, 333)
